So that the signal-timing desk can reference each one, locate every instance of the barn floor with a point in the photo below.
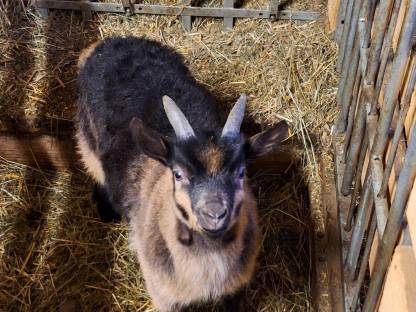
(55, 254)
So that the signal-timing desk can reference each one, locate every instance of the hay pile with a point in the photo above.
(54, 251)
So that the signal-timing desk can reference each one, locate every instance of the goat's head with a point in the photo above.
(208, 170)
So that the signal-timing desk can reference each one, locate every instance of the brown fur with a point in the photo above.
(212, 158)
(85, 54)
(202, 271)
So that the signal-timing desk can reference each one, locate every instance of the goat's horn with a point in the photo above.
(177, 119)
(235, 118)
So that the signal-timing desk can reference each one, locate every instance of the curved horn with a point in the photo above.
(235, 118)
(177, 119)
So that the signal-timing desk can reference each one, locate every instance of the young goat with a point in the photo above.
(154, 141)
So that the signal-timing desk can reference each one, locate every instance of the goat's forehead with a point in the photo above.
(210, 158)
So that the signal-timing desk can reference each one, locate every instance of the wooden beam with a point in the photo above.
(327, 276)
(334, 230)
(177, 10)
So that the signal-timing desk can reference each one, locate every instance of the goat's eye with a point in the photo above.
(178, 175)
(242, 172)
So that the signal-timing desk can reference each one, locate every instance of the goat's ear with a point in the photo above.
(149, 141)
(266, 141)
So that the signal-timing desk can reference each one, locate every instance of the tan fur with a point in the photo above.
(197, 275)
(90, 159)
(85, 54)
(183, 199)
(212, 158)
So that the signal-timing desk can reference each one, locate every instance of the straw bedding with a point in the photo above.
(55, 254)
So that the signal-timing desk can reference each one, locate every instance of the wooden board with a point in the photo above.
(333, 7)
(399, 292)
(411, 217)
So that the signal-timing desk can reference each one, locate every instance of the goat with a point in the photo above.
(178, 181)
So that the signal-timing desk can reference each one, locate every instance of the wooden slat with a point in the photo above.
(333, 225)
(333, 8)
(411, 116)
(400, 19)
(228, 21)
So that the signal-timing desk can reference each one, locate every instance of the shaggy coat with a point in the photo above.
(161, 183)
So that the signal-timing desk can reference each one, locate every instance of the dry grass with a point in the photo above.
(54, 252)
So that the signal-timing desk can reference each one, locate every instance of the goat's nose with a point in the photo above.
(217, 215)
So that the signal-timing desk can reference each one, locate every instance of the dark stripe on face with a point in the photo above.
(238, 208)
(184, 235)
(248, 244)
(230, 236)
(182, 211)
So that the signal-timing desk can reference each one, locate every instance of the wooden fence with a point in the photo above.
(375, 152)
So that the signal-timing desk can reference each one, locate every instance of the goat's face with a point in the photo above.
(208, 170)
(208, 175)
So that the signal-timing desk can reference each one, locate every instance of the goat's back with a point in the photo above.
(127, 77)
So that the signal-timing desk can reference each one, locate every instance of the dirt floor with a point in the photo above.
(55, 254)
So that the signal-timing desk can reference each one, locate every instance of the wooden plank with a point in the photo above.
(411, 217)
(334, 238)
(399, 293)
(411, 116)
(333, 8)
(400, 19)
(40, 151)
(321, 299)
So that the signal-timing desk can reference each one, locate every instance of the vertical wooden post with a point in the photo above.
(274, 9)
(186, 22)
(43, 12)
(228, 21)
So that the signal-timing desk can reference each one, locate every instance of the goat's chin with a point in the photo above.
(215, 234)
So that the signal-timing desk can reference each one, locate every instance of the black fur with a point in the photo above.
(126, 78)
(235, 302)
(121, 87)
(104, 205)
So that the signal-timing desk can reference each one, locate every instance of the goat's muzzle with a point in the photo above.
(214, 218)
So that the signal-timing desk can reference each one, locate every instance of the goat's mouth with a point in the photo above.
(214, 225)
(217, 233)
